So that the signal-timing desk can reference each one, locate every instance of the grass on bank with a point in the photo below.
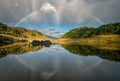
(100, 41)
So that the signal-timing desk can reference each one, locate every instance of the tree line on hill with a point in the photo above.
(86, 32)
(17, 31)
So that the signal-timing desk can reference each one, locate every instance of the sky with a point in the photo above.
(55, 17)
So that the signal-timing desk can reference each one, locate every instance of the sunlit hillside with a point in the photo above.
(104, 34)
(19, 34)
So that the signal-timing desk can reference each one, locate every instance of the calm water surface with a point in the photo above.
(59, 63)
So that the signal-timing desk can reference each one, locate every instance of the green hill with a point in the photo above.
(87, 32)
(105, 34)
(9, 35)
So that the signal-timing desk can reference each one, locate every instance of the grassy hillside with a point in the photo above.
(18, 34)
(109, 33)
(86, 32)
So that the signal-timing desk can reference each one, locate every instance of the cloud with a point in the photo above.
(53, 32)
(50, 13)
(48, 7)
(106, 10)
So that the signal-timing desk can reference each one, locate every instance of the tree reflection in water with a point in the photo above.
(84, 50)
(18, 49)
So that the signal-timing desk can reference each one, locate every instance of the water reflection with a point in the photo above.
(84, 50)
(46, 43)
(22, 48)
(18, 49)
(57, 64)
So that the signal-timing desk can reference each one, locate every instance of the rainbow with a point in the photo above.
(36, 12)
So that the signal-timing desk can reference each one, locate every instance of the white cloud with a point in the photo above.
(48, 7)
(53, 32)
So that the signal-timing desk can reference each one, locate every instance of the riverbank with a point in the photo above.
(100, 41)
(10, 35)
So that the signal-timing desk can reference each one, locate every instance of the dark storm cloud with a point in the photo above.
(70, 11)
(13, 10)
(106, 10)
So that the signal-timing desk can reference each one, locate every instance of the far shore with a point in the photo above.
(100, 41)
